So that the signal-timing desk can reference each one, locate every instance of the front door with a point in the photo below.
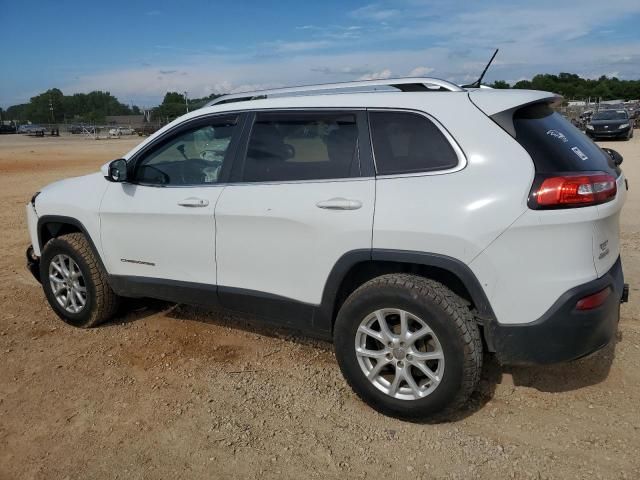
(160, 224)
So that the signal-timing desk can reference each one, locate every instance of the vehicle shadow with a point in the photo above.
(565, 377)
(558, 378)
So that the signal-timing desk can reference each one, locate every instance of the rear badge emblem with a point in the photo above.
(579, 153)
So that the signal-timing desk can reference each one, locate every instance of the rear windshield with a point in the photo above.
(610, 115)
(555, 145)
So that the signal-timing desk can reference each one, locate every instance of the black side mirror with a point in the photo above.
(615, 156)
(117, 171)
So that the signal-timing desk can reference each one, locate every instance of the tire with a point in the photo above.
(456, 338)
(101, 302)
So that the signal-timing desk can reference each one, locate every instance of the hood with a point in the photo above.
(72, 182)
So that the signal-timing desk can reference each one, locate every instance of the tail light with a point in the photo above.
(594, 300)
(569, 191)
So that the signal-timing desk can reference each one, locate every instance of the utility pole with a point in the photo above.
(186, 102)
(51, 110)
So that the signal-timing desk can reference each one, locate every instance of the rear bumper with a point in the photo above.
(563, 333)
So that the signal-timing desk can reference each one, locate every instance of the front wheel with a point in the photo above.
(75, 283)
(409, 347)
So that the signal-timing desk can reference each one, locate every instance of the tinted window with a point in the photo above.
(554, 144)
(406, 142)
(191, 157)
(301, 146)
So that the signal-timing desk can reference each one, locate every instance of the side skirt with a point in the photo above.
(271, 309)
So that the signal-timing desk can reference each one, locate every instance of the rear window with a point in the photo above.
(405, 142)
(555, 145)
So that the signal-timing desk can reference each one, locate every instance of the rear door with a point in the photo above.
(302, 196)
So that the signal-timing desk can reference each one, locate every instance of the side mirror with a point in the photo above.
(615, 156)
(117, 171)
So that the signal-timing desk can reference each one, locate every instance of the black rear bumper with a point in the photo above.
(563, 333)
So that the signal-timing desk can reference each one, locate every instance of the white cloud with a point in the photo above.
(375, 11)
(381, 75)
(420, 71)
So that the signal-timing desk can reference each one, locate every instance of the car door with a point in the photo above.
(159, 224)
(302, 196)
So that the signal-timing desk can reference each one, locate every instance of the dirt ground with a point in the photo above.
(177, 392)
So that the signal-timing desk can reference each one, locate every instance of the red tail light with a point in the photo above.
(567, 191)
(593, 301)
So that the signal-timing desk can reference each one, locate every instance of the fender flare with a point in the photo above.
(350, 259)
(46, 219)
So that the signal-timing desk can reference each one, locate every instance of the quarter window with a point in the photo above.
(405, 142)
(301, 146)
(191, 157)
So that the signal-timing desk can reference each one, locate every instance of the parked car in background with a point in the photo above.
(610, 124)
(147, 130)
(36, 130)
(7, 127)
(76, 129)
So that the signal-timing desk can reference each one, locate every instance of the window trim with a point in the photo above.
(180, 128)
(462, 158)
(364, 167)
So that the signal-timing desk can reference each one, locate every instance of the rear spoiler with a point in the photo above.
(500, 105)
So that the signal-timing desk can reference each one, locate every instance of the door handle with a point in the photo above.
(339, 203)
(193, 202)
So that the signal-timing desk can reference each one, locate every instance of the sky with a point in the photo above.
(138, 50)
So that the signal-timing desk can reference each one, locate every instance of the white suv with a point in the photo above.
(414, 222)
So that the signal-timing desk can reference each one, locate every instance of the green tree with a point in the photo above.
(500, 84)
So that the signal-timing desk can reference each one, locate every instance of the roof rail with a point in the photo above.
(409, 84)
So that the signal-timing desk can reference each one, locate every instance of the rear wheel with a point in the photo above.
(75, 283)
(409, 347)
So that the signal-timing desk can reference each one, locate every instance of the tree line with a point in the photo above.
(53, 106)
(574, 87)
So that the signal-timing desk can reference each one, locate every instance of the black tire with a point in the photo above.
(449, 318)
(101, 303)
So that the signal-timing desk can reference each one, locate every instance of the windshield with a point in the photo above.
(611, 115)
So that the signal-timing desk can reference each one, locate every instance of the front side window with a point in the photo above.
(191, 157)
(405, 142)
(301, 146)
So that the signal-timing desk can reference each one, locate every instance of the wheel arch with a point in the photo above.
(52, 226)
(356, 267)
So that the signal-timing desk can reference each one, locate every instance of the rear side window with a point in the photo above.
(555, 145)
(405, 142)
(302, 146)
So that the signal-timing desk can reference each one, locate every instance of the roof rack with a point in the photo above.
(409, 84)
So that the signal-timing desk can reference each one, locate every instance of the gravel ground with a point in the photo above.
(172, 391)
